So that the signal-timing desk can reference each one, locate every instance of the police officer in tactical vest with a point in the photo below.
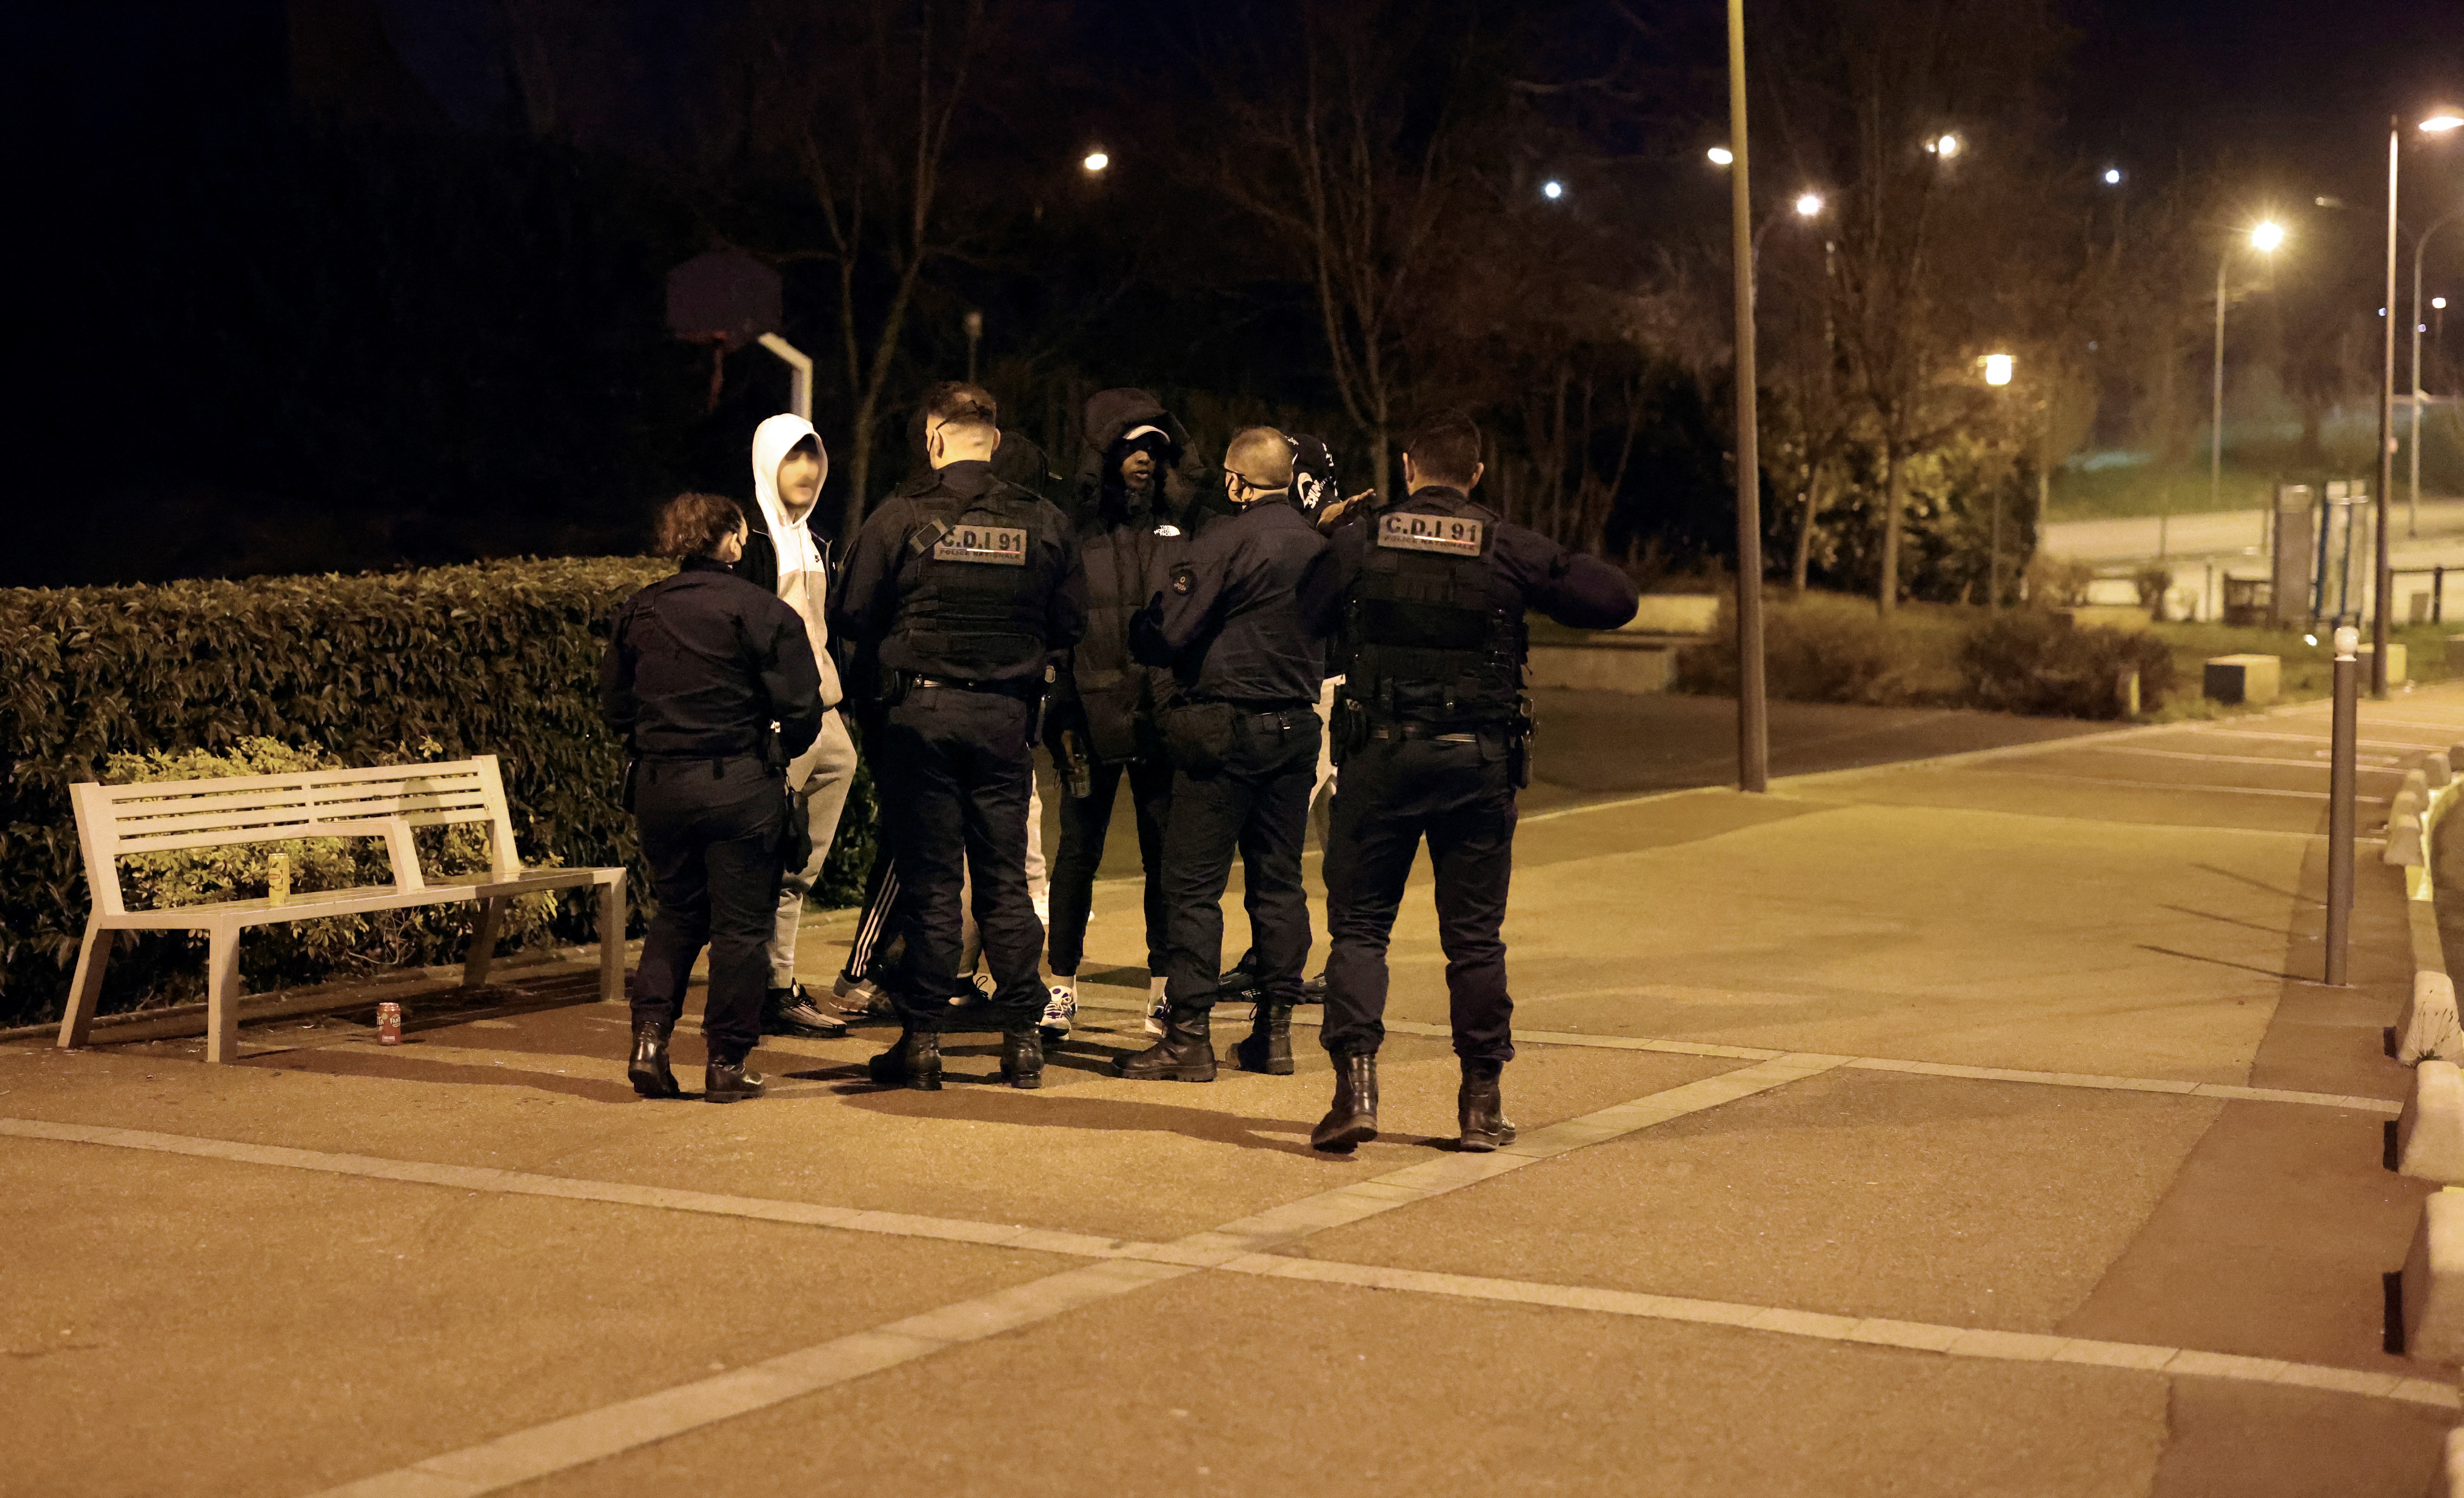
(1243, 623)
(959, 594)
(1434, 738)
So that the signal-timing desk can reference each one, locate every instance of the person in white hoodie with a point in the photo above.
(781, 554)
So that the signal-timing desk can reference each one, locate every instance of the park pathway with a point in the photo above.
(1967, 1126)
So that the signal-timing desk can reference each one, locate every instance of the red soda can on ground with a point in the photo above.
(388, 1024)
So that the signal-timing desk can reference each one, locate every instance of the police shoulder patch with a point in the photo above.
(1184, 579)
(1402, 530)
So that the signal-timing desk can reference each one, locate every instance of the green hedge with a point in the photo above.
(498, 658)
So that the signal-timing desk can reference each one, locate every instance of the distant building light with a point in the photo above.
(1997, 368)
(2113, 176)
(1721, 155)
(1553, 189)
(1096, 161)
(1946, 147)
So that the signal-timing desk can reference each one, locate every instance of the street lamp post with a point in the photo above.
(2264, 239)
(1753, 725)
(2384, 583)
(2412, 492)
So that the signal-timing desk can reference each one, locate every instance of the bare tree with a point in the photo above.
(863, 98)
(1348, 148)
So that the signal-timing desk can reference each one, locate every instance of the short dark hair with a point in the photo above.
(956, 403)
(1445, 448)
(692, 525)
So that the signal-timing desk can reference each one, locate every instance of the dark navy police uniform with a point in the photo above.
(698, 666)
(1431, 733)
(960, 593)
(1243, 623)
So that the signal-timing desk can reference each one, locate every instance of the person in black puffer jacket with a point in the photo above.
(1132, 501)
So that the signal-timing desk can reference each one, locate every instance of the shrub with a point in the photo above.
(500, 657)
(2033, 663)
(2059, 581)
(1830, 650)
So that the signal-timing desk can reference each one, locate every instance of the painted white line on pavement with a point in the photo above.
(2090, 1081)
(2236, 759)
(1870, 1330)
(2305, 738)
(2168, 789)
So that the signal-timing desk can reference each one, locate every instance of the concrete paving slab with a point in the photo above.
(1088, 1153)
(1209, 1385)
(271, 1331)
(2225, 1441)
(1856, 1194)
(1982, 939)
(2271, 1242)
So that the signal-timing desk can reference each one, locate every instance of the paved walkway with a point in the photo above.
(1966, 1127)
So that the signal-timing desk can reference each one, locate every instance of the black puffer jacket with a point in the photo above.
(1127, 543)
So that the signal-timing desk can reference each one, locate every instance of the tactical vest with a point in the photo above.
(974, 599)
(1429, 644)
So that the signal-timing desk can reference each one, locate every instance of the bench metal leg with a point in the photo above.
(611, 941)
(86, 990)
(222, 997)
(483, 941)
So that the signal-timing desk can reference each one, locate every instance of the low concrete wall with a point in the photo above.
(1607, 664)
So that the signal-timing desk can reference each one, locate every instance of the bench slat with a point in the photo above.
(355, 901)
(469, 771)
(253, 814)
(234, 837)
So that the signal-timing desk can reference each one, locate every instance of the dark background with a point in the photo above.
(352, 284)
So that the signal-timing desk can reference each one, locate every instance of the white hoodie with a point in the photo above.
(803, 564)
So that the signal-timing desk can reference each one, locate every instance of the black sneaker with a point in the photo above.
(1314, 991)
(792, 1011)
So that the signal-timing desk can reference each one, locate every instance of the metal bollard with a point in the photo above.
(2339, 806)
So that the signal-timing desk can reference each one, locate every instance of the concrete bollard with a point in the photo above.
(2428, 1025)
(2434, 1281)
(2403, 842)
(2439, 769)
(2430, 1135)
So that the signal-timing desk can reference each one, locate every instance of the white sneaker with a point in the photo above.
(1060, 1007)
(1043, 909)
(1154, 1007)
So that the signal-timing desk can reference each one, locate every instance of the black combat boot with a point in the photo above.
(1314, 991)
(728, 1082)
(1479, 1108)
(648, 1070)
(1241, 982)
(1021, 1064)
(1184, 1054)
(1269, 1046)
(915, 1061)
(1353, 1120)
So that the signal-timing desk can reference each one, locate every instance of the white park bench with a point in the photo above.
(383, 800)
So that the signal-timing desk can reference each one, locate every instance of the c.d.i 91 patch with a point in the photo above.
(1401, 530)
(995, 546)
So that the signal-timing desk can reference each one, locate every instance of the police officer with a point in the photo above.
(698, 666)
(1242, 625)
(957, 596)
(1433, 737)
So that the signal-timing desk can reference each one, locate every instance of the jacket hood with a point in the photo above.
(771, 442)
(1111, 415)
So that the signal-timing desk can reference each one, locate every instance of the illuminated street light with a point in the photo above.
(1721, 155)
(1997, 368)
(1096, 161)
(1809, 204)
(1553, 189)
(1946, 147)
(2440, 124)
(2439, 302)
(2265, 236)
(2113, 176)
